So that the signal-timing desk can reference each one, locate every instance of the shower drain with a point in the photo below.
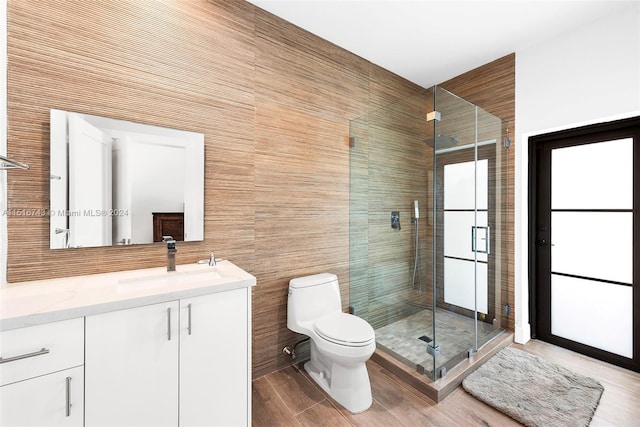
(425, 338)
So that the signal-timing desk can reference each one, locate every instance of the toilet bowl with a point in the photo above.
(341, 343)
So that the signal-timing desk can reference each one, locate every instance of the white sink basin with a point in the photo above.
(170, 279)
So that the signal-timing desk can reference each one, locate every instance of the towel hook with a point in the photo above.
(6, 163)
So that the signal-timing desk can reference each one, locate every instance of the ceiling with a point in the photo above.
(430, 41)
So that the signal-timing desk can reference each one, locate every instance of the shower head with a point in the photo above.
(443, 141)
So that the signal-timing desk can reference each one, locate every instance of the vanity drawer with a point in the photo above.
(38, 350)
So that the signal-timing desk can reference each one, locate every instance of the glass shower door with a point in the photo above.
(467, 160)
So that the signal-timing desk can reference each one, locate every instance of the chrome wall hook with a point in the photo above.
(7, 163)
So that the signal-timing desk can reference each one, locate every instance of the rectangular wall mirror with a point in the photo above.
(115, 182)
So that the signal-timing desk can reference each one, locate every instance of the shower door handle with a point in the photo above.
(483, 234)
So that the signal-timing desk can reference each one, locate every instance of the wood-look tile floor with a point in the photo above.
(290, 398)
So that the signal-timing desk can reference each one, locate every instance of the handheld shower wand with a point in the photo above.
(416, 266)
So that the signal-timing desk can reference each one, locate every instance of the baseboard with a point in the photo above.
(522, 333)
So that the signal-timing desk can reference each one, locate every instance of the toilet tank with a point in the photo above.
(311, 297)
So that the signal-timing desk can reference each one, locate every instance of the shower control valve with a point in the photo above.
(395, 220)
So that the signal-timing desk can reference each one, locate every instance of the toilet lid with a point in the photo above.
(345, 329)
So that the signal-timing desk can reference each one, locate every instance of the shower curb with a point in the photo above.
(440, 389)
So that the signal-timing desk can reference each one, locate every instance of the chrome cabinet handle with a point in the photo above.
(169, 324)
(24, 356)
(189, 318)
(68, 396)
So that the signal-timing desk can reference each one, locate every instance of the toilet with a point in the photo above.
(341, 343)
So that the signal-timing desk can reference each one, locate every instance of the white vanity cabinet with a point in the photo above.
(215, 375)
(131, 375)
(41, 375)
(133, 348)
(180, 363)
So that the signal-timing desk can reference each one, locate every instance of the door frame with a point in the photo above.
(535, 142)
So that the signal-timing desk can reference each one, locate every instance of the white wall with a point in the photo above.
(156, 183)
(588, 75)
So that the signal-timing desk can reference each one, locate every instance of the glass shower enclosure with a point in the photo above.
(428, 217)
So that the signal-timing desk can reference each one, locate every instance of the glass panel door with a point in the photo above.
(592, 244)
(583, 240)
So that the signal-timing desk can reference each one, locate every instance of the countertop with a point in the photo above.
(44, 301)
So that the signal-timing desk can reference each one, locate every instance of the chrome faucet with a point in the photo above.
(171, 252)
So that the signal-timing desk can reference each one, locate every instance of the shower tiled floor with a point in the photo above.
(454, 336)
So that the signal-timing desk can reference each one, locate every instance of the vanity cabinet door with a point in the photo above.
(131, 367)
(215, 371)
(49, 400)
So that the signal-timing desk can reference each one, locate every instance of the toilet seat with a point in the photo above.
(345, 329)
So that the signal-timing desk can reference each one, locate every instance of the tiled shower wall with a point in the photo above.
(391, 166)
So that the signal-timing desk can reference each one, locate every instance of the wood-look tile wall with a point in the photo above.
(273, 101)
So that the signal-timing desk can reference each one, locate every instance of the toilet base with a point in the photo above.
(349, 386)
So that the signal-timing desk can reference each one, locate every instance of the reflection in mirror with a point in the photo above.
(115, 182)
